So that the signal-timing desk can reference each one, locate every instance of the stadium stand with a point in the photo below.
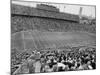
(24, 18)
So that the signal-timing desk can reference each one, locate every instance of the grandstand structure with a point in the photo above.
(42, 11)
(47, 7)
(38, 18)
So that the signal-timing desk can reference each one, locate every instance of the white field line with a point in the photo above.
(23, 39)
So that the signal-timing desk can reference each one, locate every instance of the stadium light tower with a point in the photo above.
(80, 12)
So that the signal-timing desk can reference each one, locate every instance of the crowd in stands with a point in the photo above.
(20, 23)
(57, 61)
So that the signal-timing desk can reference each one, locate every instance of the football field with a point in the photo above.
(42, 40)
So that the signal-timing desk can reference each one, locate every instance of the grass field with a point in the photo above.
(41, 40)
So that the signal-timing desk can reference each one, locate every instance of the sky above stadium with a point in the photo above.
(67, 8)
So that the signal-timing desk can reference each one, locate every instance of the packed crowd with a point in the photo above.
(58, 60)
(20, 23)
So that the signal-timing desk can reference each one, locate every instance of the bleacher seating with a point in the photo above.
(28, 18)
